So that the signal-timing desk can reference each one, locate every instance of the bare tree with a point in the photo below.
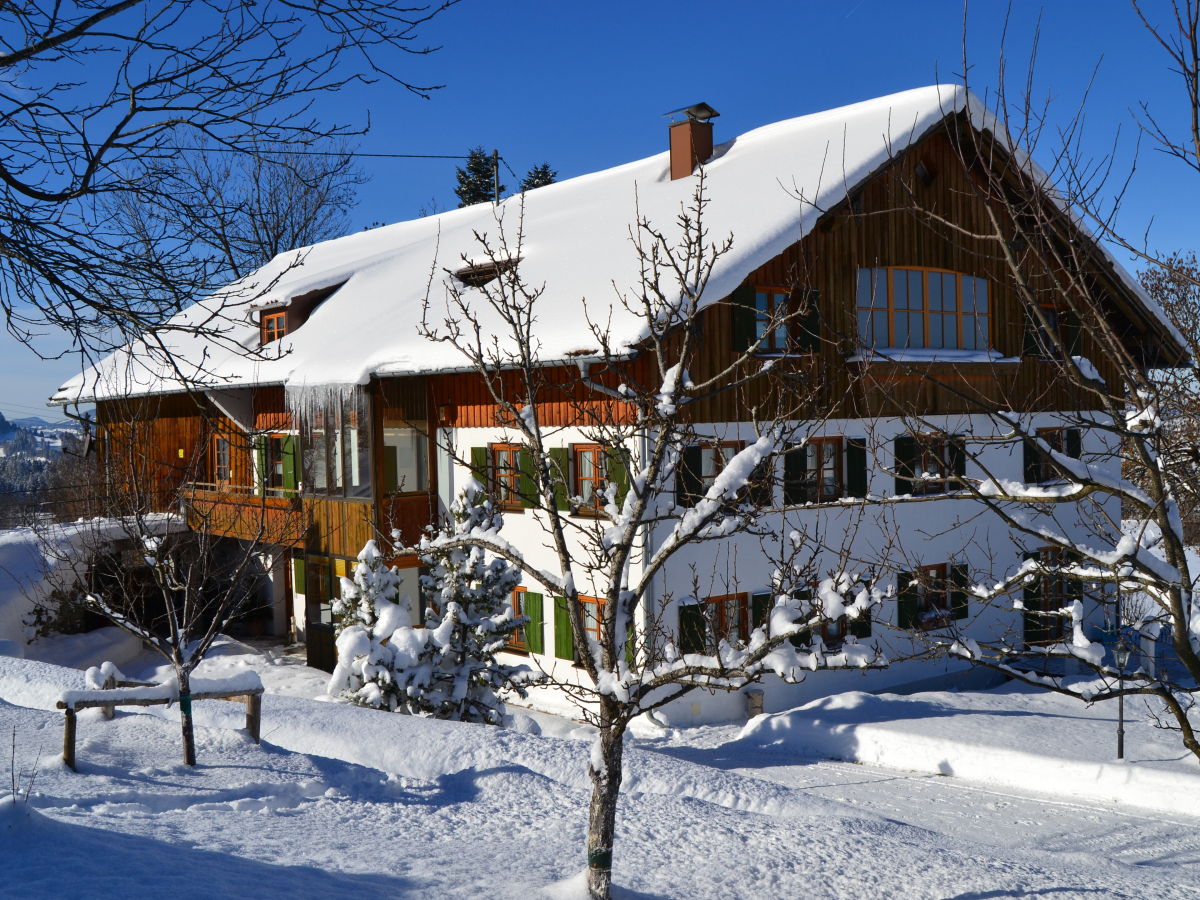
(619, 566)
(100, 99)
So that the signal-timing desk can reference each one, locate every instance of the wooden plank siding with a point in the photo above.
(339, 527)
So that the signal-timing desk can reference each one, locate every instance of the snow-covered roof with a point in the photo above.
(576, 243)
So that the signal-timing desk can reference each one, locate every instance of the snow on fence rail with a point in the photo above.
(245, 687)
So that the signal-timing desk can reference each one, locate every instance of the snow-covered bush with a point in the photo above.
(448, 669)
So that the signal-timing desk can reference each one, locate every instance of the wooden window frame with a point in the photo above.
(959, 315)
(729, 615)
(222, 459)
(1052, 592)
(595, 622)
(813, 480)
(779, 306)
(599, 479)
(933, 596)
(1059, 438)
(272, 326)
(505, 480)
(935, 455)
(517, 642)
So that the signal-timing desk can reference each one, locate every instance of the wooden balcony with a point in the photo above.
(409, 514)
(277, 518)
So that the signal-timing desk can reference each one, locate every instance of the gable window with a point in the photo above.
(221, 469)
(931, 596)
(775, 319)
(922, 309)
(590, 476)
(1039, 466)
(928, 463)
(274, 326)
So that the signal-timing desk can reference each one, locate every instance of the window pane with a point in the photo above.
(916, 293)
(881, 329)
(935, 331)
(949, 290)
(935, 291)
(865, 333)
(916, 328)
(900, 289)
(870, 289)
(901, 336)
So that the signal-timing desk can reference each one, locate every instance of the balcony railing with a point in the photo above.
(276, 517)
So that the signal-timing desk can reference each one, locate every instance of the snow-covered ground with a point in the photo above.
(341, 801)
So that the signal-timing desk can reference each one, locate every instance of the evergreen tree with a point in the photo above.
(448, 669)
(538, 176)
(477, 181)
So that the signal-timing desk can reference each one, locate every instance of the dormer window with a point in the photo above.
(922, 309)
(479, 274)
(274, 326)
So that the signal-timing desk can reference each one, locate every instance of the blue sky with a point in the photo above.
(584, 86)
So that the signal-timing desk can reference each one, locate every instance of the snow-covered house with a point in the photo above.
(319, 417)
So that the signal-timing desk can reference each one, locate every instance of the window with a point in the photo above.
(220, 460)
(922, 308)
(1063, 323)
(277, 463)
(812, 472)
(274, 326)
(775, 319)
(528, 638)
(932, 596)
(702, 626)
(928, 464)
(590, 476)
(405, 460)
(593, 615)
(335, 437)
(699, 467)
(1046, 595)
(505, 468)
(1039, 466)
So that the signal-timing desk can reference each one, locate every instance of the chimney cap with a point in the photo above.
(697, 112)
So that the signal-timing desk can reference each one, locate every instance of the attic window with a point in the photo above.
(479, 274)
(274, 326)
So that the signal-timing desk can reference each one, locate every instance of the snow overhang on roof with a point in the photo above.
(575, 242)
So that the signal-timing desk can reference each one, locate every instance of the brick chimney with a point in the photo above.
(691, 139)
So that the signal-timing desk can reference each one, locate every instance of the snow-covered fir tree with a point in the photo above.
(448, 669)
(477, 180)
(538, 176)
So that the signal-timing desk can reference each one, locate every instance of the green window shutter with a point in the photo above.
(760, 608)
(1073, 443)
(860, 627)
(1032, 461)
(692, 629)
(802, 640)
(958, 455)
(479, 465)
(526, 484)
(959, 582)
(688, 485)
(560, 471)
(617, 472)
(298, 575)
(1072, 332)
(564, 639)
(856, 467)
(260, 460)
(806, 328)
(795, 475)
(742, 318)
(906, 462)
(1032, 342)
(907, 612)
(290, 475)
(531, 606)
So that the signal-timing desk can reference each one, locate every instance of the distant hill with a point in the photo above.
(36, 422)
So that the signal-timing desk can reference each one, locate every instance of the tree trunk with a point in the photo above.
(602, 813)
(185, 718)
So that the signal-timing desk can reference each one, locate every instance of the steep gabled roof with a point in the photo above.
(576, 243)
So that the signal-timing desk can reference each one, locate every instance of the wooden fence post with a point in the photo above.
(109, 710)
(69, 738)
(254, 715)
